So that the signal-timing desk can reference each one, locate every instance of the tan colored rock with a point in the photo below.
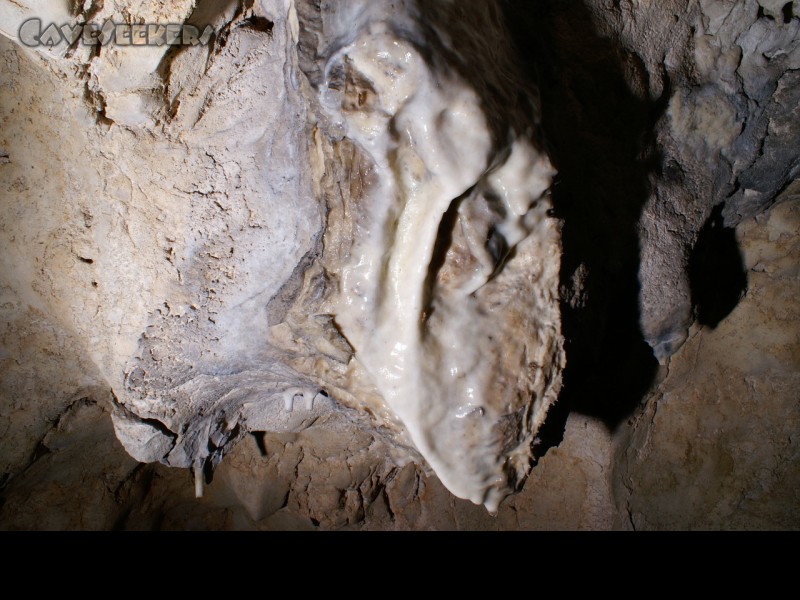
(174, 223)
(716, 447)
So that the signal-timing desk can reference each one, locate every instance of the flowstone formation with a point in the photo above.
(329, 264)
(432, 301)
(446, 276)
(363, 229)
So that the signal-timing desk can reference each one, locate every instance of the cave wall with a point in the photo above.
(161, 210)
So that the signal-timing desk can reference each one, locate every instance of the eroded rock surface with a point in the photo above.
(724, 76)
(716, 446)
(182, 229)
(264, 307)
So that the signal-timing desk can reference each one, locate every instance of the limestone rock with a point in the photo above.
(699, 110)
(181, 227)
(716, 446)
(231, 255)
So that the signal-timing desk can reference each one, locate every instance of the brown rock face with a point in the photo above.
(716, 445)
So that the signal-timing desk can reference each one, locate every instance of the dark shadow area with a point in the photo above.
(208, 472)
(260, 441)
(4, 477)
(599, 136)
(444, 237)
(717, 273)
(472, 48)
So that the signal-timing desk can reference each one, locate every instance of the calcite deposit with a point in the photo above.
(446, 282)
(429, 298)
(387, 264)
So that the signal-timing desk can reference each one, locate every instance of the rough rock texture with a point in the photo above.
(232, 329)
(644, 175)
(161, 226)
(702, 100)
(118, 221)
(725, 76)
(716, 445)
(326, 477)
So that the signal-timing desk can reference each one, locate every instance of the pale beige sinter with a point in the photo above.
(463, 342)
